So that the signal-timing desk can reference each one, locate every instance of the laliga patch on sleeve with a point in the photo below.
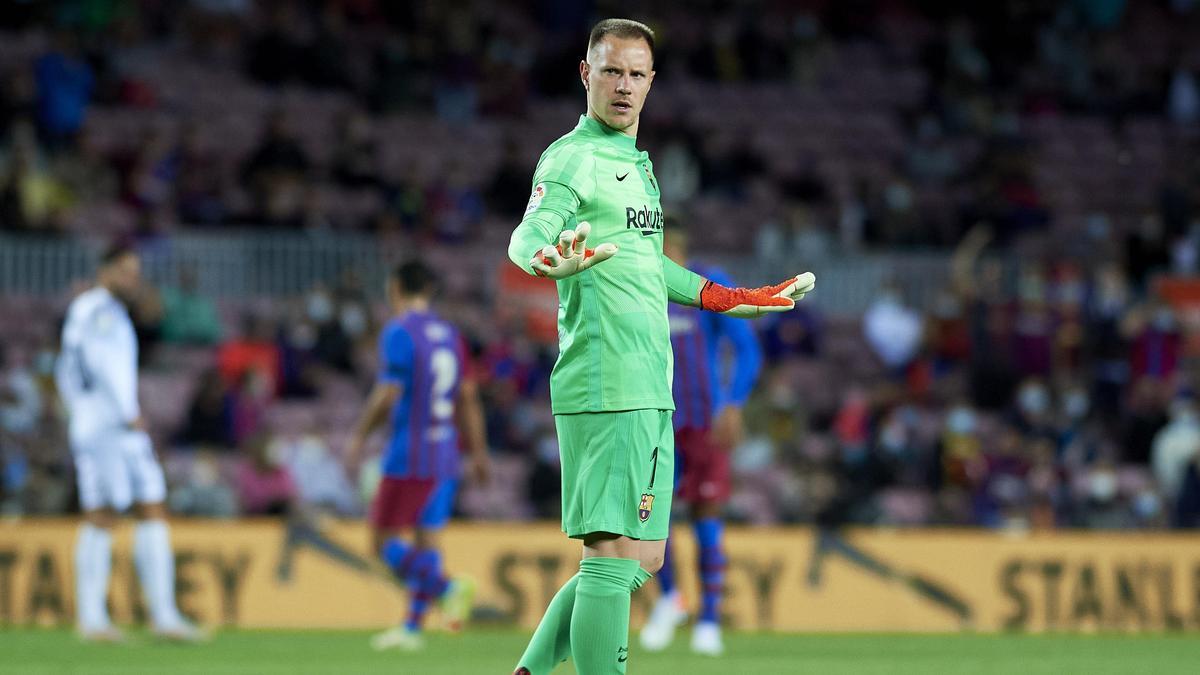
(535, 199)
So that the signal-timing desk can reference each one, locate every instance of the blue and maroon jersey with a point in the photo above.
(701, 388)
(427, 358)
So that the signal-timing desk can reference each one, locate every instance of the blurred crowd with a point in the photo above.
(1053, 146)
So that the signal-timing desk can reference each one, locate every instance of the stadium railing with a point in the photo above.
(240, 264)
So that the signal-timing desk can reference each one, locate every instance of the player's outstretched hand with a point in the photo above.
(572, 255)
(752, 302)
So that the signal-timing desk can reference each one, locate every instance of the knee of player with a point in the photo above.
(102, 518)
(652, 562)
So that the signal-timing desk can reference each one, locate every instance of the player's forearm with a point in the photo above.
(471, 424)
(374, 414)
(530, 236)
(683, 285)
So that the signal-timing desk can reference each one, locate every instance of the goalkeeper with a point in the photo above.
(611, 386)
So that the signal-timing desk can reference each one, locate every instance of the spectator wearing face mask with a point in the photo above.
(210, 418)
(1033, 326)
(253, 350)
(959, 449)
(1156, 343)
(1033, 414)
(893, 330)
(203, 493)
(1102, 503)
(1144, 415)
(264, 485)
(1176, 448)
(188, 316)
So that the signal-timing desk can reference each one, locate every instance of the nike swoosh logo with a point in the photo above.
(650, 233)
(621, 178)
(622, 659)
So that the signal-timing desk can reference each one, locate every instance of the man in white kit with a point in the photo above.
(114, 461)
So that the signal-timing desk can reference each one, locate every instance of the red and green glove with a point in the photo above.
(571, 256)
(752, 302)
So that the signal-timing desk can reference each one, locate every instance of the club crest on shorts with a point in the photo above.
(645, 506)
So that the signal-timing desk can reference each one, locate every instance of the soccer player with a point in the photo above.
(611, 386)
(426, 392)
(115, 464)
(708, 425)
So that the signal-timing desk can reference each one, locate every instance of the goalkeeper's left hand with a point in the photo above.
(752, 302)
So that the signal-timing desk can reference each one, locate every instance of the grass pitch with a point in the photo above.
(42, 652)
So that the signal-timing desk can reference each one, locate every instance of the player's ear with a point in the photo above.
(585, 69)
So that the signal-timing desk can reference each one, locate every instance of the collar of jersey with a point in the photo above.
(586, 123)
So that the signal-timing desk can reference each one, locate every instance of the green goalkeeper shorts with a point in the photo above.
(618, 472)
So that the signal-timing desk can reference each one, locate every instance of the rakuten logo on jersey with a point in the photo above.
(649, 222)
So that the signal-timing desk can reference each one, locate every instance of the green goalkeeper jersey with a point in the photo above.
(614, 341)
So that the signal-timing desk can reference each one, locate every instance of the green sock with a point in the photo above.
(551, 642)
(640, 578)
(600, 622)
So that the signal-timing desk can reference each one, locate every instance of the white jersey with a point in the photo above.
(97, 367)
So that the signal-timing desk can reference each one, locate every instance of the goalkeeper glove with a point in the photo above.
(752, 302)
(571, 256)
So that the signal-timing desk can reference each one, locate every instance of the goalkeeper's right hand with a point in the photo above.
(571, 256)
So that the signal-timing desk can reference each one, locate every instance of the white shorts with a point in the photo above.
(117, 470)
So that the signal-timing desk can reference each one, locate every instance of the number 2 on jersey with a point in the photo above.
(444, 365)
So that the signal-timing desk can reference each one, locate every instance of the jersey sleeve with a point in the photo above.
(395, 355)
(683, 285)
(564, 180)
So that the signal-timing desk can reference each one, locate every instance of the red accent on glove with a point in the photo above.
(717, 298)
(587, 253)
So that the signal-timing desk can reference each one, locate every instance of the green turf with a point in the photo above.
(36, 652)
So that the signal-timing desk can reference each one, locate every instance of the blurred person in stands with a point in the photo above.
(203, 492)
(355, 162)
(200, 194)
(1106, 342)
(31, 196)
(1145, 412)
(254, 349)
(264, 484)
(64, 88)
(1033, 325)
(893, 330)
(1002, 497)
(317, 473)
(1176, 450)
(20, 398)
(20, 409)
(1156, 341)
(1033, 412)
(97, 377)
(709, 425)
(251, 398)
(959, 453)
(505, 194)
(188, 316)
(428, 396)
(210, 417)
(276, 171)
(87, 174)
(149, 173)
